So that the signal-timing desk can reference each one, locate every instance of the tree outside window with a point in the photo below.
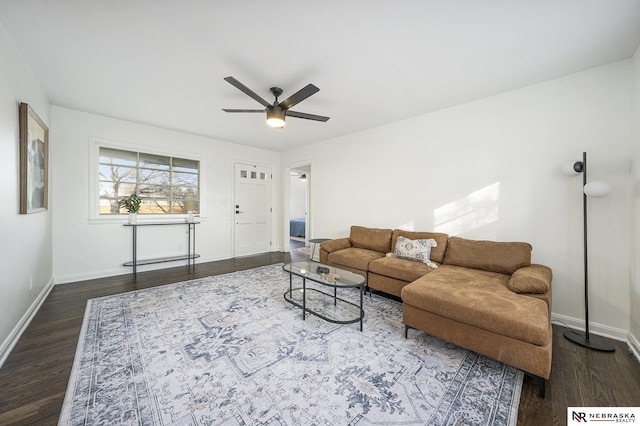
(167, 185)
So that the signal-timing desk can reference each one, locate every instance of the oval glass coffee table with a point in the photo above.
(324, 305)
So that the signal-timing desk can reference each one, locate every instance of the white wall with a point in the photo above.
(491, 170)
(635, 158)
(26, 239)
(86, 249)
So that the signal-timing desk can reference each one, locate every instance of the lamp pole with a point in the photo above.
(585, 339)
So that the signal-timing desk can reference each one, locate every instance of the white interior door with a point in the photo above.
(253, 210)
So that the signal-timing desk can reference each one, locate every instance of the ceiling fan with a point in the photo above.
(277, 111)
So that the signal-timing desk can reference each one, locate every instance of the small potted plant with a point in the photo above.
(132, 205)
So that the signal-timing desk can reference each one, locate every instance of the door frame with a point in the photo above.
(286, 215)
(274, 203)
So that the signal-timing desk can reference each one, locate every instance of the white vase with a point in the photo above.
(133, 218)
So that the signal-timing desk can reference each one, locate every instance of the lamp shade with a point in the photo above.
(597, 189)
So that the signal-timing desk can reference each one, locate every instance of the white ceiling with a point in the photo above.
(162, 62)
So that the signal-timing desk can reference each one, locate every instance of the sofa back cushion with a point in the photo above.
(493, 256)
(437, 252)
(371, 238)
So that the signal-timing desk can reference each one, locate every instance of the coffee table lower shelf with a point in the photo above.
(326, 306)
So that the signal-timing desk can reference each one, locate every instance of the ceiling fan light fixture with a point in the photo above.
(275, 117)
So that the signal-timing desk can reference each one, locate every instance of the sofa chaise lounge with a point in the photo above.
(485, 296)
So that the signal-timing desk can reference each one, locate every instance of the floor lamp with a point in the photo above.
(594, 189)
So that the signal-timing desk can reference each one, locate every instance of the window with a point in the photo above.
(167, 185)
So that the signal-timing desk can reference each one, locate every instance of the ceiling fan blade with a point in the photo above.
(299, 96)
(242, 110)
(306, 116)
(246, 90)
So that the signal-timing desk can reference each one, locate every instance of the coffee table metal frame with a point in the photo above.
(327, 306)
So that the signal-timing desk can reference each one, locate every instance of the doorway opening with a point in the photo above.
(299, 225)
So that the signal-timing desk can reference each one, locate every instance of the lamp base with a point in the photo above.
(593, 342)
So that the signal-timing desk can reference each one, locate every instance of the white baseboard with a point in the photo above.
(10, 342)
(601, 330)
(595, 328)
(634, 345)
(64, 279)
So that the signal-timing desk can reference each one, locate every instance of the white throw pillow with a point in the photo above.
(417, 250)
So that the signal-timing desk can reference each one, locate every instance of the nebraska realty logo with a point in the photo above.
(582, 415)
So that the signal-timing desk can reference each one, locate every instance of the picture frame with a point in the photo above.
(34, 161)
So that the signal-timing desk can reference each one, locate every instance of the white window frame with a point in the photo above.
(94, 181)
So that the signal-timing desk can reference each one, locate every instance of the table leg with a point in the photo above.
(361, 310)
(189, 246)
(304, 299)
(135, 252)
(313, 251)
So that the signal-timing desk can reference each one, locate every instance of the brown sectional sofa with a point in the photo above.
(485, 296)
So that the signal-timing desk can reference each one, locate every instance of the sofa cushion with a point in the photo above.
(502, 257)
(371, 238)
(416, 250)
(437, 252)
(357, 258)
(337, 244)
(401, 269)
(534, 279)
(482, 299)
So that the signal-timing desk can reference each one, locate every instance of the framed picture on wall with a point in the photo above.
(34, 159)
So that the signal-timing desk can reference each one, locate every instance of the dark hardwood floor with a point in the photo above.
(34, 378)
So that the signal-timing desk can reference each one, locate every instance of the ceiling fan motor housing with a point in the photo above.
(276, 91)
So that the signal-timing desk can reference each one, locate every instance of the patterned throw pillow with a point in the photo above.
(418, 250)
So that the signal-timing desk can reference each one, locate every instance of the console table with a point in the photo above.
(191, 245)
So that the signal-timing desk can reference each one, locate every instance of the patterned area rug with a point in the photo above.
(229, 350)
(303, 250)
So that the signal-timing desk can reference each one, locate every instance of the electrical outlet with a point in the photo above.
(180, 247)
(31, 283)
